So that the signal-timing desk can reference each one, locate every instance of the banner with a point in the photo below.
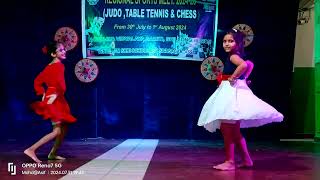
(164, 29)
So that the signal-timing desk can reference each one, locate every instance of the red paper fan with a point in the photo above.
(67, 36)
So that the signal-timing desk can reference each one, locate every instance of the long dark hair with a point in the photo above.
(51, 47)
(238, 36)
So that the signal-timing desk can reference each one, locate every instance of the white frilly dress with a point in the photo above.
(232, 103)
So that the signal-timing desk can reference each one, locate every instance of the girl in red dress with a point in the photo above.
(53, 105)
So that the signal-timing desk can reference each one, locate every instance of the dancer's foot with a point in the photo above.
(32, 155)
(226, 166)
(55, 157)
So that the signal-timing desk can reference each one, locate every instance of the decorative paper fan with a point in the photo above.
(67, 36)
(86, 70)
(211, 67)
(247, 31)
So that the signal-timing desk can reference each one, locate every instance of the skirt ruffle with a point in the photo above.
(58, 111)
(236, 103)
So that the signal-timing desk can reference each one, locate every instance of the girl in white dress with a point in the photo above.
(233, 105)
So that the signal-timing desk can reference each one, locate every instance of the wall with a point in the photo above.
(303, 99)
(140, 98)
(317, 68)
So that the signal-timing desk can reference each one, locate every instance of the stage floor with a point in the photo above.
(153, 159)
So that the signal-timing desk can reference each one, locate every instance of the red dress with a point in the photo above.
(53, 77)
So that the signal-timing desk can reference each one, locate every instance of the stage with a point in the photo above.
(155, 159)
